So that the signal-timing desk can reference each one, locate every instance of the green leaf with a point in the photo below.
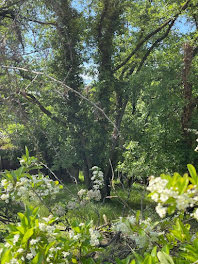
(26, 152)
(148, 260)
(154, 252)
(27, 235)
(6, 257)
(38, 259)
(21, 229)
(193, 174)
(164, 258)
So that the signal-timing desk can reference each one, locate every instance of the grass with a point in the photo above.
(122, 202)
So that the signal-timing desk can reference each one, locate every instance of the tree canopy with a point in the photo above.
(141, 98)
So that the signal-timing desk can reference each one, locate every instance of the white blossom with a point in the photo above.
(16, 238)
(161, 210)
(95, 235)
(29, 256)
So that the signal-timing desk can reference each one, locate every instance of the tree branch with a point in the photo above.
(153, 46)
(34, 100)
(63, 85)
(154, 32)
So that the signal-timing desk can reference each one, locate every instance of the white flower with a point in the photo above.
(15, 239)
(131, 219)
(94, 194)
(94, 237)
(81, 192)
(34, 241)
(65, 254)
(155, 197)
(33, 251)
(20, 250)
(183, 201)
(47, 219)
(5, 196)
(164, 197)
(10, 187)
(195, 214)
(4, 182)
(14, 261)
(161, 210)
(42, 226)
(7, 245)
(50, 229)
(29, 256)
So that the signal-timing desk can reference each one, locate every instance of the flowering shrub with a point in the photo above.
(47, 240)
(19, 184)
(34, 240)
(143, 232)
(175, 192)
(97, 184)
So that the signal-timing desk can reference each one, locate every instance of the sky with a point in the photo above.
(184, 26)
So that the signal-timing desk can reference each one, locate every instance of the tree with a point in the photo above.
(116, 37)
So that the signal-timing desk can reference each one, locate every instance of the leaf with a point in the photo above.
(26, 152)
(164, 258)
(27, 235)
(37, 259)
(5, 258)
(154, 252)
(148, 260)
(21, 229)
(193, 174)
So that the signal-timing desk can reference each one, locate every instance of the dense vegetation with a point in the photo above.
(104, 94)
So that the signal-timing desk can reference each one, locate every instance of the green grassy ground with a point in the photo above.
(122, 202)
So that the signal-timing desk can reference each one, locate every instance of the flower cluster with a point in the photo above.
(59, 209)
(95, 236)
(28, 237)
(36, 238)
(173, 193)
(97, 184)
(143, 232)
(27, 185)
(97, 178)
